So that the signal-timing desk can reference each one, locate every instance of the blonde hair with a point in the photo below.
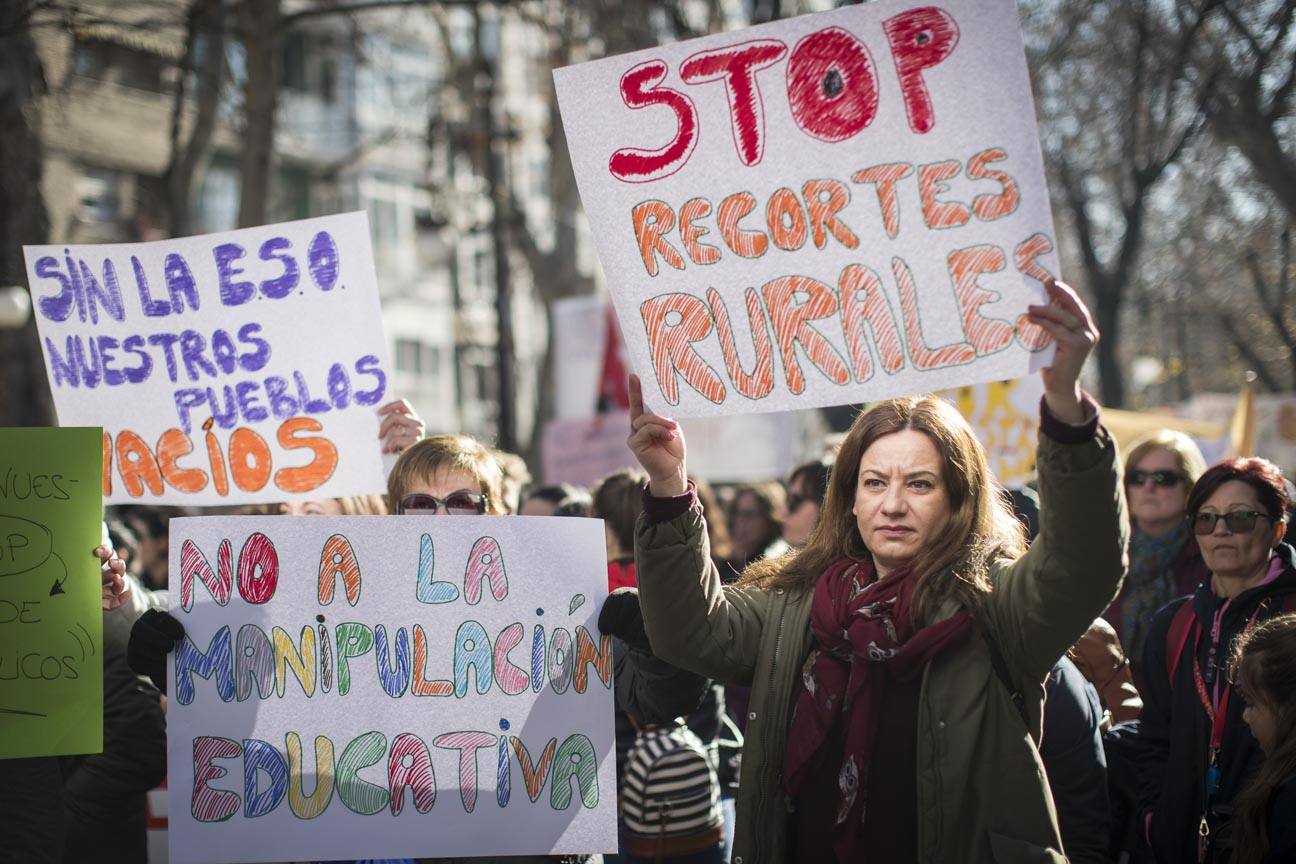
(362, 505)
(980, 528)
(350, 505)
(440, 453)
(1186, 452)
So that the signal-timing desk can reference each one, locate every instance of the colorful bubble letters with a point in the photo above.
(229, 368)
(829, 209)
(389, 686)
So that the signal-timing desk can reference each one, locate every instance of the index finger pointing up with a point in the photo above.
(636, 397)
(1067, 298)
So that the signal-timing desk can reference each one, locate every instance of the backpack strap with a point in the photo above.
(1177, 638)
(1001, 672)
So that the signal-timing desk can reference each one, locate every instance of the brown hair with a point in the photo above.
(713, 515)
(427, 458)
(618, 501)
(1185, 451)
(1264, 661)
(980, 528)
(1260, 474)
(771, 499)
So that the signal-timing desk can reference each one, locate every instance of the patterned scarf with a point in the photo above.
(1150, 584)
(860, 624)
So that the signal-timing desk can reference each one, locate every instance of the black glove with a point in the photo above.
(152, 638)
(621, 617)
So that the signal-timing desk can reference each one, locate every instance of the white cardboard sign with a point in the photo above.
(830, 209)
(229, 368)
(367, 686)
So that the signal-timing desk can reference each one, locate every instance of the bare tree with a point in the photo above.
(204, 58)
(1116, 113)
(1245, 68)
(24, 392)
(259, 28)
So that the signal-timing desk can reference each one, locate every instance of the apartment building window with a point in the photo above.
(309, 66)
(98, 195)
(102, 60)
(385, 229)
(417, 358)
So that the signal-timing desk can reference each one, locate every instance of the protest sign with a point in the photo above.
(51, 618)
(584, 451)
(1005, 417)
(359, 687)
(824, 210)
(229, 368)
(580, 446)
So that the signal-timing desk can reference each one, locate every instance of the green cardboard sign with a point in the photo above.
(51, 618)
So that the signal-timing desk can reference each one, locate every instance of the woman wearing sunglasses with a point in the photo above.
(1165, 562)
(446, 475)
(1196, 751)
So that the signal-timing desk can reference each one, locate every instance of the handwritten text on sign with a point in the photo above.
(228, 368)
(389, 686)
(51, 621)
(856, 198)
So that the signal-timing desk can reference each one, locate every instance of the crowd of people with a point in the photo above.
(885, 658)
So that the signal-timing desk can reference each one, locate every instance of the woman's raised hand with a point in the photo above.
(401, 426)
(1067, 320)
(658, 443)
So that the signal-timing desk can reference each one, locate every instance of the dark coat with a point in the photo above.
(1282, 824)
(1072, 751)
(1189, 571)
(649, 691)
(104, 793)
(1174, 731)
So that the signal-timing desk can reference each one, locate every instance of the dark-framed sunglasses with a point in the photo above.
(795, 501)
(1238, 521)
(1158, 478)
(461, 503)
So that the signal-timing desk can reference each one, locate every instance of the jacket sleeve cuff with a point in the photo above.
(658, 510)
(1066, 433)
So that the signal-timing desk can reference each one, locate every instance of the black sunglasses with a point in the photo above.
(1159, 478)
(461, 503)
(795, 501)
(1238, 521)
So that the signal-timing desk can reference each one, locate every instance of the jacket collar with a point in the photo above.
(1205, 602)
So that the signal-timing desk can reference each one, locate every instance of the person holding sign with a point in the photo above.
(896, 661)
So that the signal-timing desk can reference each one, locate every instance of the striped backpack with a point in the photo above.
(670, 796)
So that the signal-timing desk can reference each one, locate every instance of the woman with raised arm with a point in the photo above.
(896, 662)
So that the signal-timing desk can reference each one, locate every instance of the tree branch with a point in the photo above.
(1078, 203)
(1242, 343)
(292, 19)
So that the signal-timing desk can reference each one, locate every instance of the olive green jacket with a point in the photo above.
(982, 793)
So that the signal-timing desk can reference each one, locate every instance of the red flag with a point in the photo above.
(613, 390)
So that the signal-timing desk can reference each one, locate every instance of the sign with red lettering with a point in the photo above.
(825, 210)
(230, 368)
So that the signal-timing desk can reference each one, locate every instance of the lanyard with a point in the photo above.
(1216, 712)
(1218, 715)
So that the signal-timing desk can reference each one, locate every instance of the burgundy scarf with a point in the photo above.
(855, 617)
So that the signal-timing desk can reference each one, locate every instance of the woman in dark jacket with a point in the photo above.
(1196, 753)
